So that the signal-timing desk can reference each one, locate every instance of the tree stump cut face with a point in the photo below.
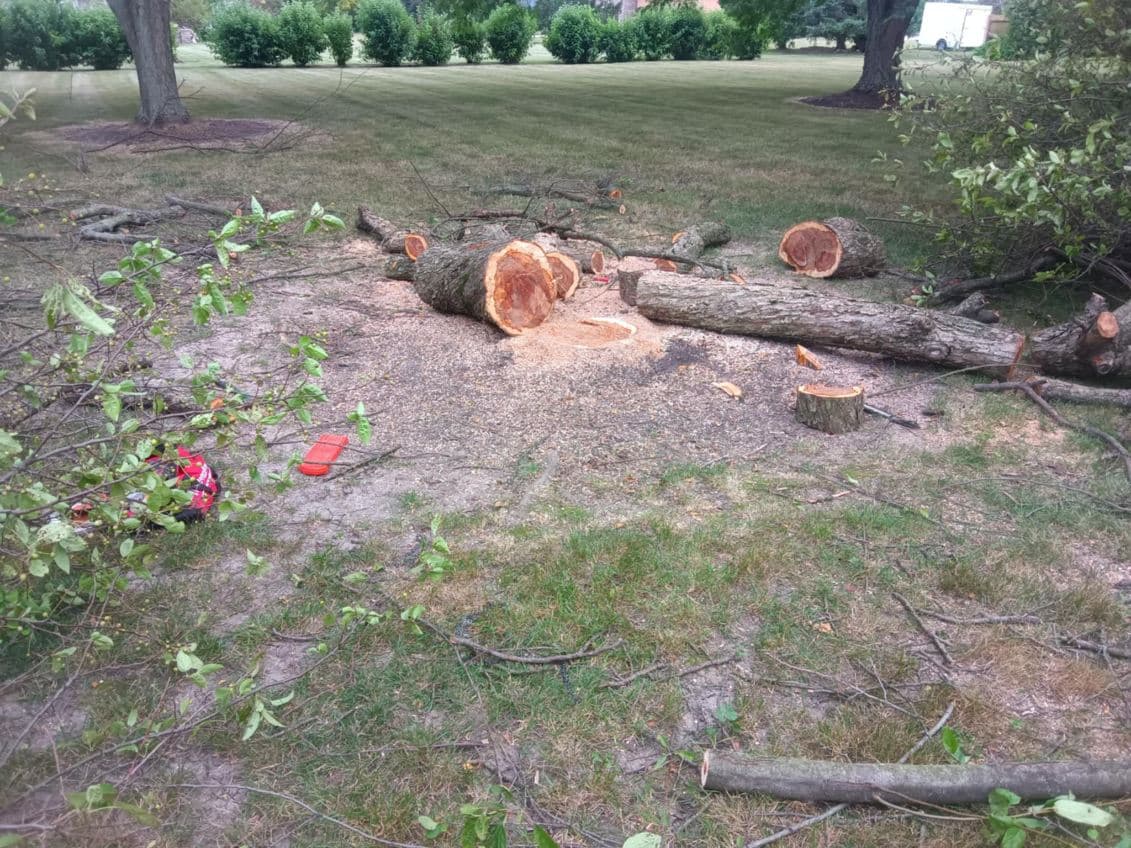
(521, 296)
(813, 249)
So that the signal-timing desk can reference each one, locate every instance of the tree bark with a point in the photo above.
(145, 24)
(814, 780)
(801, 315)
(830, 409)
(887, 26)
(510, 286)
(391, 237)
(838, 247)
(776, 311)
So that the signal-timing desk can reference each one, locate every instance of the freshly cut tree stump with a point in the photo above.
(694, 240)
(830, 409)
(391, 237)
(510, 286)
(838, 247)
(862, 783)
(567, 276)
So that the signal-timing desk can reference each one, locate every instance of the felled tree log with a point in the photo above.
(838, 247)
(510, 286)
(110, 218)
(694, 240)
(589, 259)
(903, 332)
(391, 237)
(567, 276)
(1076, 393)
(830, 409)
(814, 780)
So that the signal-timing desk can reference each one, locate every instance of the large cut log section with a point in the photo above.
(511, 286)
(838, 247)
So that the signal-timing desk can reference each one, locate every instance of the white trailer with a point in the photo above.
(950, 25)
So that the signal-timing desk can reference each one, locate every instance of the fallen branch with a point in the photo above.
(958, 289)
(1096, 648)
(931, 634)
(197, 206)
(1043, 404)
(661, 666)
(863, 783)
(1051, 389)
(555, 659)
(113, 217)
(831, 811)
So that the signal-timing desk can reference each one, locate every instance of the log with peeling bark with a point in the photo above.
(510, 286)
(567, 276)
(838, 247)
(976, 306)
(693, 241)
(110, 218)
(792, 313)
(830, 409)
(862, 783)
(391, 237)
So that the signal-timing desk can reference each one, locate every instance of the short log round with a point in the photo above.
(567, 275)
(830, 409)
(838, 247)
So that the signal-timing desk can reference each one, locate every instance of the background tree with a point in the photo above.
(836, 20)
(887, 26)
(146, 26)
(192, 13)
(771, 20)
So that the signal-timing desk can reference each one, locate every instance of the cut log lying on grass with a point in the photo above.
(815, 780)
(110, 218)
(391, 237)
(838, 247)
(400, 268)
(907, 333)
(694, 240)
(510, 286)
(830, 409)
(567, 276)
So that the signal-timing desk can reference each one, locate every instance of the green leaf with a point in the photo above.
(426, 822)
(1082, 813)
(112, 406)
(9, 445)
(1014, 837)
(256, 565)
(1001, 800)
(138, 814)
(643, 840)
(542, 839)
(86, 316)
(251, 726)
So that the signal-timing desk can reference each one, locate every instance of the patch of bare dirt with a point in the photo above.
(200, 134)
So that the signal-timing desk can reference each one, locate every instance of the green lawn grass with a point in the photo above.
(688, 140)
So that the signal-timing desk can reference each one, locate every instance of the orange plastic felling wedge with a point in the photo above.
(317, 461)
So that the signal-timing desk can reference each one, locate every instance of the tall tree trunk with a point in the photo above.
(146, 27)
(887, 25)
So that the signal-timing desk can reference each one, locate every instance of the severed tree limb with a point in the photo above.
(112, 217)
(832, 811)
(864, 783)
(1096, 648)
(958, 289)
(1087, 429)
(976, 306)
(197, 206)
(1052, 389)
(532, 660)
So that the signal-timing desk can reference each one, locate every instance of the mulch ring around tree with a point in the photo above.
(233, 134)
(847, 100)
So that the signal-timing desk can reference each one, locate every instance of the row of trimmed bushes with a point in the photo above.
(578, 36)
(47, 35)
(249, 37)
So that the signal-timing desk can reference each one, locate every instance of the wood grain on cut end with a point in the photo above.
(520, 287)
(567, 275)
(838, 247)
(415, 245)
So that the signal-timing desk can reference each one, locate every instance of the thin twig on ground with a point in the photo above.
(940, 646)
(534, 660)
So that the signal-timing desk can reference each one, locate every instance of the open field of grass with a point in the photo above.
(748, 593)
(687, 140)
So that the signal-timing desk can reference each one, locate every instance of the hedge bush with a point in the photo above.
(746, 43)
(244, 37)
(390, 34)
(4, 29)
(688, 28)
(510, 31)
(575, 35)
(41, 35)
(722, 35)
(434, 40)
(470, 38)
(339, 33)
(100, 41)
(302, 35)
(653, 31)
(618, 42)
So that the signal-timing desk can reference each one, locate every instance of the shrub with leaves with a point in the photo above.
(688, 32)
(339, 33)
(301, 33)
(5, 37)
(390, 34)
(1035, 26)
(98, 41)
(470, 37)
(575, 35)
(653, 31)
(244, 37)
(41, 35)
(618, 42)
(434, 42)
(1037, 151)
(510, 32)
(721, 36)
